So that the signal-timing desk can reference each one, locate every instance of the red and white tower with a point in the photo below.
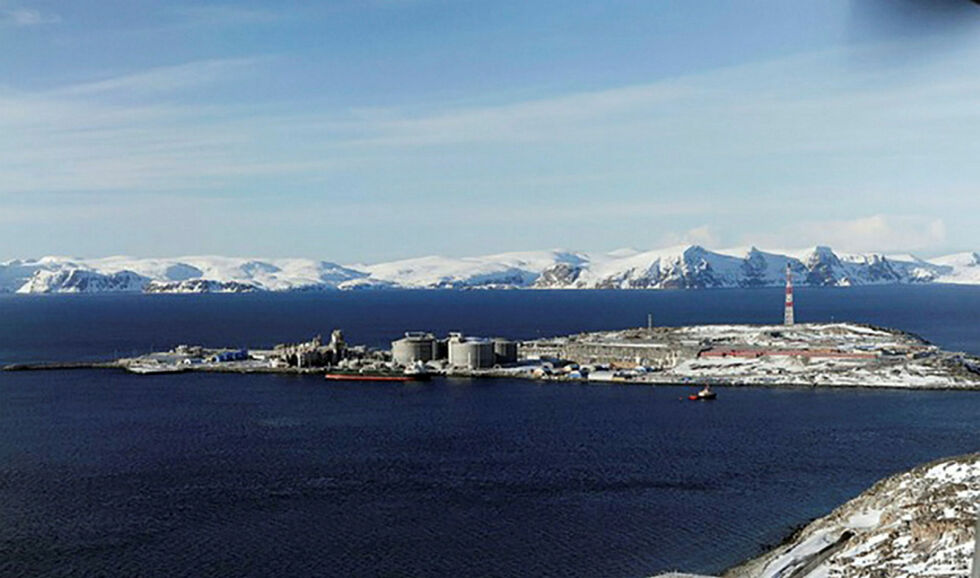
(788, 311)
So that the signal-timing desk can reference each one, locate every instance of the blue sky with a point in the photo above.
(369, 130)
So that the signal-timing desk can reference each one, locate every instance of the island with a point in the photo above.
(802, 354)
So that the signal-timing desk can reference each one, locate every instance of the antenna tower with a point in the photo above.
(788, 311)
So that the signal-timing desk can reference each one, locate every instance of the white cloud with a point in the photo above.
(702, 235)
(882, 233)
(650, 136)
(23, 17)
(227, 15)
(165, 79)
(664, 156)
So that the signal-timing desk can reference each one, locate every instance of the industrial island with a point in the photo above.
(810, 354)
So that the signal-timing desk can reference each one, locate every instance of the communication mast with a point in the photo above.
(788, 311)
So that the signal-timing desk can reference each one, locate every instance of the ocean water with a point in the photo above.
(106, 473)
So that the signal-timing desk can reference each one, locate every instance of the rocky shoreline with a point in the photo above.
(917, 523)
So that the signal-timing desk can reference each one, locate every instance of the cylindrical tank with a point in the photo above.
(470, 353)
(504, 351)
(413, 347)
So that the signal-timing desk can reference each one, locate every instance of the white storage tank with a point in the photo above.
(415, 346)
(470, 352)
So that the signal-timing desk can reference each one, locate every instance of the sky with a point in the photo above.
(372, 130)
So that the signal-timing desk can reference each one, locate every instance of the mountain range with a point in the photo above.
(683, 267)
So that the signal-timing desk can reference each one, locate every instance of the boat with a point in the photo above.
(412, 373)
(387, 377)
(704, 395)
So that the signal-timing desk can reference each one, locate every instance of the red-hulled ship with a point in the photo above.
(371, 377)
(417, 372)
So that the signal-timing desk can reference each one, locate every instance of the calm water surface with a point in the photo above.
(108, 473)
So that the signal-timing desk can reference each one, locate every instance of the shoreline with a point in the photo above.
(480, 374)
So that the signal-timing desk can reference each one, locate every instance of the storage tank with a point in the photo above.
(415, 346)
(504, 350)
(470, 352)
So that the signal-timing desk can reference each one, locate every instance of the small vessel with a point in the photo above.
(705, 394)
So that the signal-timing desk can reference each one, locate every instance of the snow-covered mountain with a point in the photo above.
(963, 268)
(683, 267)
(176, 275)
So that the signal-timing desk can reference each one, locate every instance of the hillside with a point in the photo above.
(918, 523)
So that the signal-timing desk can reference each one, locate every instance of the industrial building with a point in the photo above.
(504, 351)
(229, 355)
(313, 353)
(652, 347)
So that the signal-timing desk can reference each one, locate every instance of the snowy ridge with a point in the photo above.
(682, 267)
(177, 275)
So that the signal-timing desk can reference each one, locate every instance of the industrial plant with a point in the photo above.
(826, 354)
(457, 351)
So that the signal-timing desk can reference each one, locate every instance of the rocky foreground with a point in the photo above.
(918, 523)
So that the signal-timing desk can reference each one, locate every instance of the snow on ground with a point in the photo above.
(963, 268)
(810, 354)
(846, 336)
(515, 269)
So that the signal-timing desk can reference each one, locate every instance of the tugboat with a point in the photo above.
(704, 395)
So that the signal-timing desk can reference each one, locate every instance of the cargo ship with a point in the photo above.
(391, 377)
(413, 373)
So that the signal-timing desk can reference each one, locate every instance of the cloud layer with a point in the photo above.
(792, 151)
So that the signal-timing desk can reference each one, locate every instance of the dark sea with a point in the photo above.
(103, 473)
